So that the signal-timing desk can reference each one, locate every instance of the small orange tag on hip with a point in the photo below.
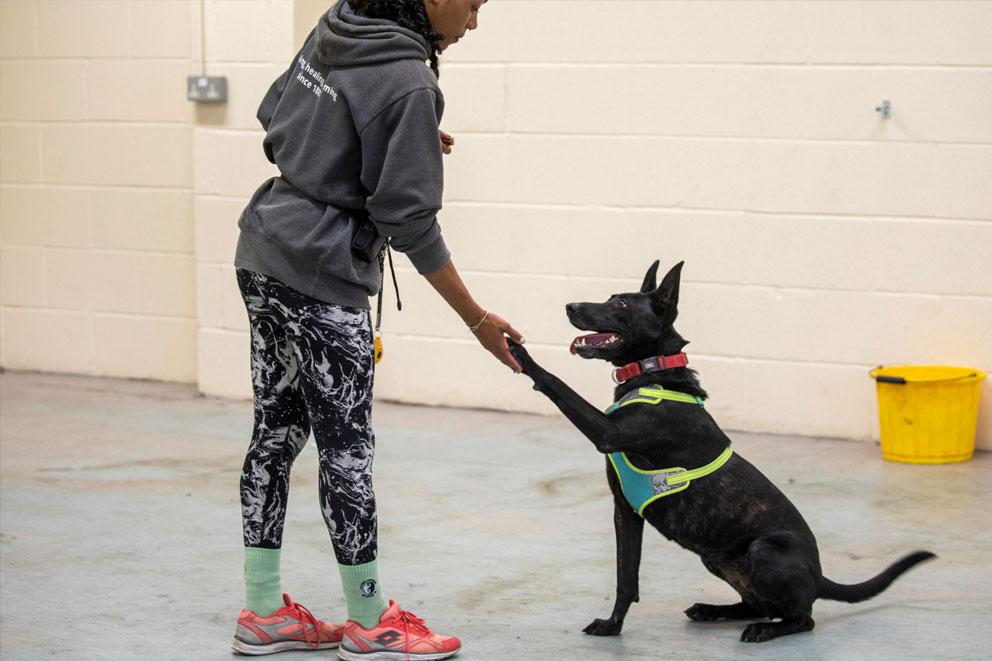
(377, 346)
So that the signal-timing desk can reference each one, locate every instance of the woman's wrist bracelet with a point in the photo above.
(481, 321)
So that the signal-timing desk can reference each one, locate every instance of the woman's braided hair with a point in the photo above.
(409, 14)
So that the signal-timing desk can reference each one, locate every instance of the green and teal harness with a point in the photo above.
(643, 487)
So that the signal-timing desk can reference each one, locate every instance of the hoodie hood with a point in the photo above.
(346, 39)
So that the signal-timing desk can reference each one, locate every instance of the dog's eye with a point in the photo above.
(622, 302)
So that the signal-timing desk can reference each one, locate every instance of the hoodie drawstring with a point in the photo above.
(377, 342)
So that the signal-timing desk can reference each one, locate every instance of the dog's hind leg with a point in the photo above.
(783, 577)
(629, 529)
(712, 613)
(729, 567)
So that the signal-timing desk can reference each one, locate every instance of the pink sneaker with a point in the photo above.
(292, 627)
(399, 636)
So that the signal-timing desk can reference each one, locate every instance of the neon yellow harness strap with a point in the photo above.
(643, 487)
(653, 395)
(711, 467)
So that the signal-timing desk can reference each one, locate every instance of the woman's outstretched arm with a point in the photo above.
(490, 332)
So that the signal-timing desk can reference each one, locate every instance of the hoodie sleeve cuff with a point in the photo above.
(431, 257)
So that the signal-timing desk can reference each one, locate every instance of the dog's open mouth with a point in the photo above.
(593, 341)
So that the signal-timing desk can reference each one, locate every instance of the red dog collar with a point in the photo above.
(653, 364)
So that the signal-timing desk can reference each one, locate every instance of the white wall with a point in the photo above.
(251, 42)
(819, 239)
(592, 138)
(96, 218)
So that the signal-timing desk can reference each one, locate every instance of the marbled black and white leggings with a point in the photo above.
(311, 366)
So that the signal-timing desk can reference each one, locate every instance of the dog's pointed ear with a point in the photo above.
(666, 296)
(650, 279)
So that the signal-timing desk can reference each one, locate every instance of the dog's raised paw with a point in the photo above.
(603, 628)
(520, 355)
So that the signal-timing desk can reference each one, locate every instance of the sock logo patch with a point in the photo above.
(367, 588)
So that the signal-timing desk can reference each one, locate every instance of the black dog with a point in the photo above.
(744, 529)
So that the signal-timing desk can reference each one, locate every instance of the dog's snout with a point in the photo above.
(570, 308)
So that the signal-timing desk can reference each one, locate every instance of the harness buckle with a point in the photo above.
(659, 481)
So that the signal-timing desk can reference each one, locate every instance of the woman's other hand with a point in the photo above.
(447, 142)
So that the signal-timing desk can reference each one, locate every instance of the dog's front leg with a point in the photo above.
(630, 531)
(593, 423)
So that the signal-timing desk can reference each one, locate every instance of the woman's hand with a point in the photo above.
(491, 335)
(447, 142)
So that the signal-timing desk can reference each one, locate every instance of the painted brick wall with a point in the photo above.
(593, 137)
(819, 239)
(251, 42)
(96, 229)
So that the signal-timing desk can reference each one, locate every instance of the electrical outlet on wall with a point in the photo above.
(206, 89)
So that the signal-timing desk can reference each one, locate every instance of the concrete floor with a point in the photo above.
(120, 535)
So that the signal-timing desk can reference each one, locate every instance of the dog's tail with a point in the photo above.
(871, 587)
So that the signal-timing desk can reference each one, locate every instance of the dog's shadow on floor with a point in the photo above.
(852, 613)
(821, 619)
(840, 616)
(721, 627)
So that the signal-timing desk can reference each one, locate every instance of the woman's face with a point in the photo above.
(453, 18)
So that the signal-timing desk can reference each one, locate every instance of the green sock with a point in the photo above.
(263, 592)
(363, 593)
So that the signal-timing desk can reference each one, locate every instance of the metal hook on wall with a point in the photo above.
(885, 109)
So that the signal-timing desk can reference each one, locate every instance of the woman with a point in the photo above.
(353, 127)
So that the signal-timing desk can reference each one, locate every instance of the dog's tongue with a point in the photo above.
(593, 340)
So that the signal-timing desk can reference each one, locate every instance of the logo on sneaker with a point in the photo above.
(387, 638)
(368, 588)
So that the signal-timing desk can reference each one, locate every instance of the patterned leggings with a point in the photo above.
(311, 366)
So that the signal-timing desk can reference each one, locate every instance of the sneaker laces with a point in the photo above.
(411, 621)
(305, 617)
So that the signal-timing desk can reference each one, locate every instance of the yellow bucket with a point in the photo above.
(928, 413)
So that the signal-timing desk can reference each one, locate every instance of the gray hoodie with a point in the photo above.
(353, 127)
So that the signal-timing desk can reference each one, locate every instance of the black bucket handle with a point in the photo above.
(901, 381)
